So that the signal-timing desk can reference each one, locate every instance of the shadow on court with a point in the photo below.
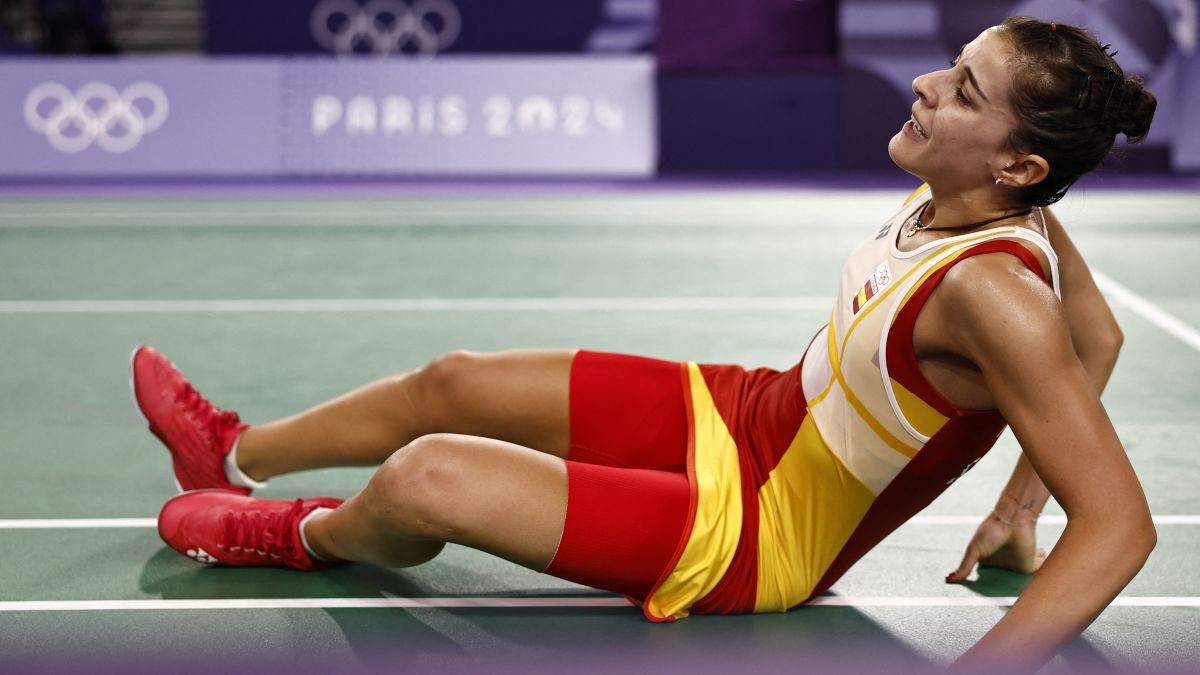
(995, 582)
(617, 640)
(1080, 656)
(538, 639)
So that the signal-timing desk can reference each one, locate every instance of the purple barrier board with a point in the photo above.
(470, 115)
(150, 117)
(325, 116)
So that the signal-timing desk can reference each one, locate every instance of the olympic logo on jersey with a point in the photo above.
(95, 113)
(385, 26)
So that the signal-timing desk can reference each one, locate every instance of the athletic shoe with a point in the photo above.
(197, 433)
(217, 527)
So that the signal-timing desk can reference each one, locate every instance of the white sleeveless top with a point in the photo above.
(871, 404)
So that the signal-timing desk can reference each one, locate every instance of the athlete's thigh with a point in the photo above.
(600, 408)
(488, 494)
(519, 395)
(606, 527)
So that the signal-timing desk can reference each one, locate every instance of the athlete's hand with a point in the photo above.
(1000, 544)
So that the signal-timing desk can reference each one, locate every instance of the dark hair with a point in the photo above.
(1071, 100)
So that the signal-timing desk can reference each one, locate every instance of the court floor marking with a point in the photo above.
(575, 217)
(1117, 292)
(679, 206)
(1147, 310)
(545, 304)
(133, 523)
(393, 602)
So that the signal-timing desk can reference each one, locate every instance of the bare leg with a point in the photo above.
(520, 396)
(491, 495)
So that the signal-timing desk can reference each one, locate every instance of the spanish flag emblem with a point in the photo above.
(880, 278)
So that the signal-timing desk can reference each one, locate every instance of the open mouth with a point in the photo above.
(918, 128)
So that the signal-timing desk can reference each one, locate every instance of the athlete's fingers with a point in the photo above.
(964, 568)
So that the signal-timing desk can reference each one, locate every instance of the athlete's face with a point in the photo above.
(962, 118)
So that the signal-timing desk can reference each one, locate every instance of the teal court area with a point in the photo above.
(272, 305)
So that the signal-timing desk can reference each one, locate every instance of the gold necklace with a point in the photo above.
(915, 225)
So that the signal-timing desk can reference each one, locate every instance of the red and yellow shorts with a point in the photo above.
(665, 470)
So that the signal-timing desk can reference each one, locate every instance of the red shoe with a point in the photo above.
(197, 433)
(216, 527)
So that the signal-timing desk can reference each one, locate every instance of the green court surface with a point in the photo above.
(273, 305)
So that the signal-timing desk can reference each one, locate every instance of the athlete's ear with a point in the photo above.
(1024, 170)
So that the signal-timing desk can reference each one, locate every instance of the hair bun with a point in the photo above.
(1136, 110)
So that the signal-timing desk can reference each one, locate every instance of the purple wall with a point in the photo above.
(746, 36)
(430, 26)
(1186, 155)
(769, 123)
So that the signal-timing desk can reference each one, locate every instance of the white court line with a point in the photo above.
(1049, 519)
(352, 219)
(516, 602)
(75, 523)
(306, 603)
(113, 523)
(1148, 310)
(416, 305)
(485, 216)
(981, 601)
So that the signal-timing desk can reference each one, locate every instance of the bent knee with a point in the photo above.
(415, 491)
(446, 372)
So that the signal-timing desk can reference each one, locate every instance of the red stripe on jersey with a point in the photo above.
(902, 359)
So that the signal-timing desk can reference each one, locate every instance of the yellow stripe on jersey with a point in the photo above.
(824, 392)
(922, 416)
(884, 435)
(807, 510)
(718, 522)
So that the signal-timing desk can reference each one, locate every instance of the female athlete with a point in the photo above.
(714, 489)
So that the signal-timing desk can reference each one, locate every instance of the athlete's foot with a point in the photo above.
(198, 434)
(216, 527)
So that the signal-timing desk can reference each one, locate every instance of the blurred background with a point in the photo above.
(630, 89)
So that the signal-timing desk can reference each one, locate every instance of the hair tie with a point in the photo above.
(1114, 104)
(1084, 100)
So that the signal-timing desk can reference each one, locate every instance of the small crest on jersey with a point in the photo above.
(880, 278)
(887, 227)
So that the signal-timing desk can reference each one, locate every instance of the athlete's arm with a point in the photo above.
(1007, 537)
(1005, 320)
(1094, 331)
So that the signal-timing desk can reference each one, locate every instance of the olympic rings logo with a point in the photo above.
(385, 26)
(95, 113)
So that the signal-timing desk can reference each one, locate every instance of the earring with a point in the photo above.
(999, 181)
